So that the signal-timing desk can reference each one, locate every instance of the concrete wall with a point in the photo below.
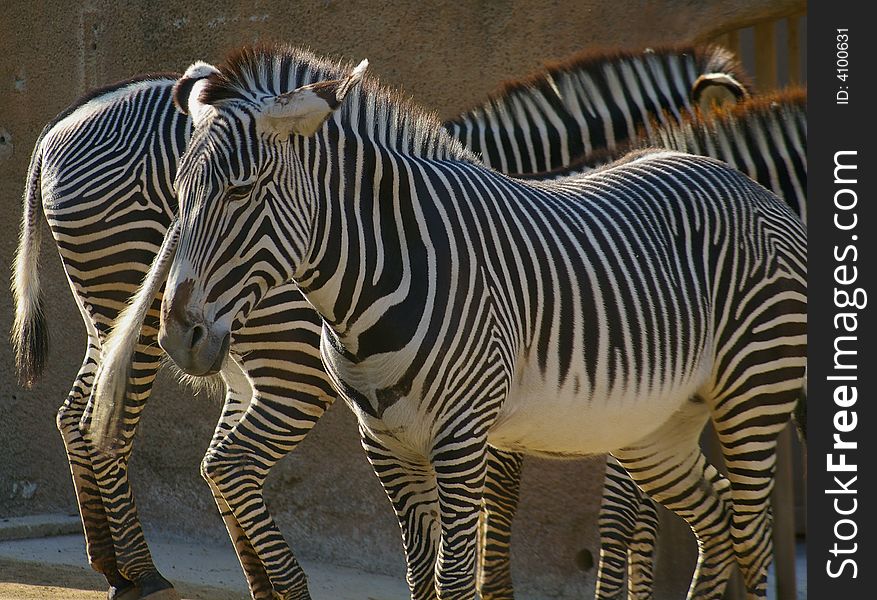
(448, 55)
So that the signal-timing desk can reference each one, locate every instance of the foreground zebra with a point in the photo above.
(106, 247)
(468, 309)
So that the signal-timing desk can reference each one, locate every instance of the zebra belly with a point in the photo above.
(552, 422)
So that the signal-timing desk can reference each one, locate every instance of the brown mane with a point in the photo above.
(713, 58)
(794, 96)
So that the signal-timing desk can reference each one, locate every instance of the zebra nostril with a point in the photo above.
(197, 335)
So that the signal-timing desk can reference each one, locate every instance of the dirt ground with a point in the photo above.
(34, 581)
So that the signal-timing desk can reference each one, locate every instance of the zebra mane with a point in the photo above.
(253, 73)
(692, 130)
(707, 59)
(795, 96)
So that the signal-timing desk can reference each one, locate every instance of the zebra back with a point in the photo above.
(764, 137)
(67, 171)
(587, 102)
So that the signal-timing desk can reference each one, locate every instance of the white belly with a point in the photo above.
(538, 418)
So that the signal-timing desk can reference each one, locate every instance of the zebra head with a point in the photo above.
(245, 206)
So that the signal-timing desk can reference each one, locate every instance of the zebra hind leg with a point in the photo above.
(751, 461)
(628, 524)
(757, 387)
(641, 550)
(249, 441)
(133, 557)
(98, 538)
(502, 487)
(616, 523)
(670, 467)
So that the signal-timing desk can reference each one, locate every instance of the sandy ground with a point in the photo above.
(37, 581)
(55, 568)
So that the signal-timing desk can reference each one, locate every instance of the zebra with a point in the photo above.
(453, 296)
(593, 101)
(764, 137)
(115, 544)
(108, 203)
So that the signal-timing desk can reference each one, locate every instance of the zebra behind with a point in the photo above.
(109, 202)
(462, 308)
(764, 137)
(594, 101)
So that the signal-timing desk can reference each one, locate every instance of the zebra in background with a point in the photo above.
(560, 331)
(764, 137)
(594, 101)
(88, 207)
(103, 172)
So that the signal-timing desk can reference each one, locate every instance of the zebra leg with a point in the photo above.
(98, 539)
(111, 474)
(460, 473)
(751, 462)
(669, 466)
(237, 398)
(641, 550)
(763, 373)
(410, 485)
(502, 487)
(236, 466)
(616, 522)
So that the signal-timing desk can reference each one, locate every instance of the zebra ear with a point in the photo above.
(717, 89)
(304, 110)
(186, 85)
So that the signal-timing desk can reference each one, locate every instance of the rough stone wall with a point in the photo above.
(448, 56)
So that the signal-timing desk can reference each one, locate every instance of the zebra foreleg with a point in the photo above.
(98, 538)
(244, 449)
(670, 467)
(460, 473)
(111, 474)
(502, 488)
(411, 487)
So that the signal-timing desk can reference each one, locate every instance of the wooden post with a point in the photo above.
(783, 505)
(732, 42)
(765, 56)
(794, 49)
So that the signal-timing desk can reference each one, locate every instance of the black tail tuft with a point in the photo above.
(31, 343)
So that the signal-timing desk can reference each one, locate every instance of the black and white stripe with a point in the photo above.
(617, 311)
(585, 103)
(764, 137)
(106, 166)
(103, 172)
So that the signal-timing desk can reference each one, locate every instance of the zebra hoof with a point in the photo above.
(156, 587)
(127, 591)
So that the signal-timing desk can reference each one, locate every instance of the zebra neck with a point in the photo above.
(368, 234)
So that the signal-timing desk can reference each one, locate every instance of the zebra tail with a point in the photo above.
(30, 333)
(103, 419)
